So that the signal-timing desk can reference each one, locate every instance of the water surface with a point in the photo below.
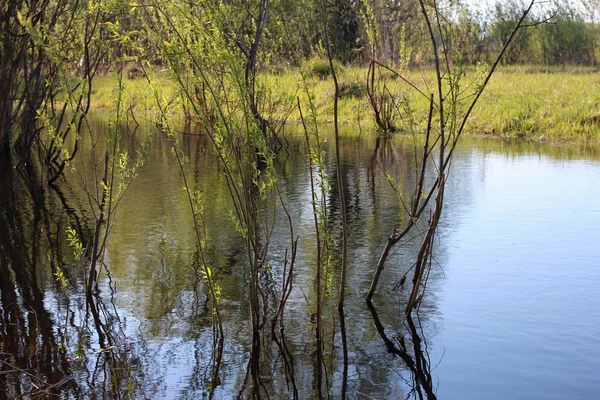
(512, 308)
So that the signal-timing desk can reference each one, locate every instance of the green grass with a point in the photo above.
(522, 102)
(561, 105)
(137, 94)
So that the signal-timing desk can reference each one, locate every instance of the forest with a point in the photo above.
(253, 198)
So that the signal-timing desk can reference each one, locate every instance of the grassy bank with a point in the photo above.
(520, 102)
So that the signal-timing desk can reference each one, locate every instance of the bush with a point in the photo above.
(352, 90)
(321, 68)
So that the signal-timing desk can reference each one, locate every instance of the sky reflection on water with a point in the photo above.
(512, 309)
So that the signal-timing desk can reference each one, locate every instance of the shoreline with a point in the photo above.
(557, 107)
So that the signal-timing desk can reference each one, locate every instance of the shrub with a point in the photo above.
(321, 68)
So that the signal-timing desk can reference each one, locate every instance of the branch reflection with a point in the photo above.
(418, 363)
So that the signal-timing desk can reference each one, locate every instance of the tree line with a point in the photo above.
(568, 34)
(45, 44)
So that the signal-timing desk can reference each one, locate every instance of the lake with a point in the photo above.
(512, 308)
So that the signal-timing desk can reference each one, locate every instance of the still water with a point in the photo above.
(512, 308)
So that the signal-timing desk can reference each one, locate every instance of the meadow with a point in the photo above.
(560, 104)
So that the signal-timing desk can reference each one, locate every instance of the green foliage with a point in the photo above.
(316, 158)
(370, 25)
(213, 284)
(398, 35)
(405, 51)
(343, 27)
(74, 243)
(321, 69)
(503, 20)
(566, 39)
(61, 278)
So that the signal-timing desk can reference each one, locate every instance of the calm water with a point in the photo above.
(512, 309)
(520, 304)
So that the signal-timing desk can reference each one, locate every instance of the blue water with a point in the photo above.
(512, 309)
(520, 302)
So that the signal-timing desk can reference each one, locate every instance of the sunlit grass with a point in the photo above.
(137, 94)
(562, 104)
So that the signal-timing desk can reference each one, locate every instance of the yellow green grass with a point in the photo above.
(520, 102)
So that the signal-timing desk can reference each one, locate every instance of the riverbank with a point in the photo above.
(561, 105)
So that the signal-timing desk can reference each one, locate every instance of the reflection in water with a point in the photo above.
(344, 352)
(32, 360)
(419, 365)
(153, 337)
(278, 325)
(50, 343)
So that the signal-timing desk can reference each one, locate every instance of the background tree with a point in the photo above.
(568, 40)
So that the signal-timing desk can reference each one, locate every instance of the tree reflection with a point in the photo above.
(32, 362)
(46, 336)
(417, 362)
(157, 336)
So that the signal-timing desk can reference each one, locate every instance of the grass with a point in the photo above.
(561, 105)
(523, 102)
(137, 94)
